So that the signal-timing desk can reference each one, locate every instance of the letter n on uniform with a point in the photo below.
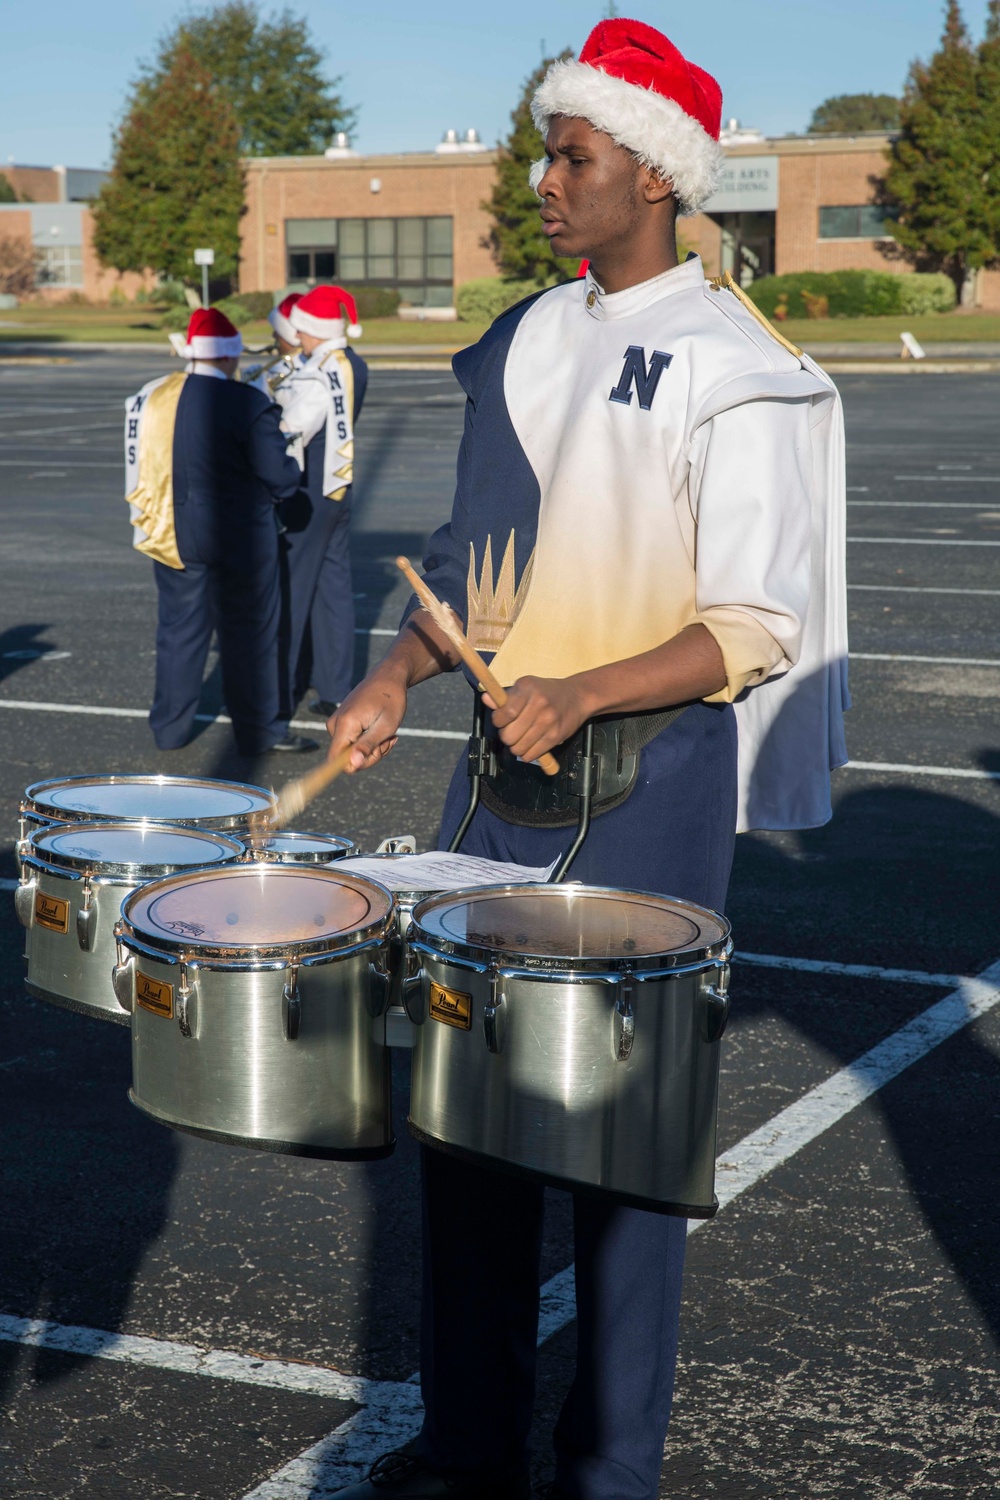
(634, 372)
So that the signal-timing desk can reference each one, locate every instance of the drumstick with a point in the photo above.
(297, 795)
(444, 616)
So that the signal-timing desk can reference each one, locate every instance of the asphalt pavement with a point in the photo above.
(183, 1319)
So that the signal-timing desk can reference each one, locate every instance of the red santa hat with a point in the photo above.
(210, 335)
(634, 85)
(278, 318)
(321, 313)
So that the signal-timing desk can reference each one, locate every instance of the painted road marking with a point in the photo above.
(926, 504)
(346, 1453)
(946, 478)
(920, 541)
(939, 661)
(850, 971)
(901, 770)
(900, 588)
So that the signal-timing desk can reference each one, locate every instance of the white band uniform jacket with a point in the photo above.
(317, 395)
(647, 460)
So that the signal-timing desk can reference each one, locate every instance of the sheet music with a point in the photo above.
(440, 871)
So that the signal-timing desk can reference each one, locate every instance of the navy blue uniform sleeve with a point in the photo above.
(269, 459)
(360, 380)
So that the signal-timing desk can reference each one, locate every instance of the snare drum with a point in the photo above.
(189, 801)
(572, 1033)
(257, 994)
(292, 848)
(74, 878)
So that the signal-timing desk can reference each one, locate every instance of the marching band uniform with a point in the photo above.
(269, 377)
(321, 400)
(205, 462)
(632, 464)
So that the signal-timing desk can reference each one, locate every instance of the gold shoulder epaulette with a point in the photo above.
(726, 282)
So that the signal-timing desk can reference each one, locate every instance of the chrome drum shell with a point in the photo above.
(275, 1051)
(594, 1076)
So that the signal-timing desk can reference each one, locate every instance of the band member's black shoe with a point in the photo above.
(294, 744)
(404, 1476)
(323, 707)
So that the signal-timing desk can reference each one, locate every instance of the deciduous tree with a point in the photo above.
(17, 266)
(848, 113)
(176, 180)
(271, 72)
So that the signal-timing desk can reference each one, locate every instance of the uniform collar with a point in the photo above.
(323, 350)
(199, 367)
(607, 305)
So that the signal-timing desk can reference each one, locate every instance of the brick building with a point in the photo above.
(54, 218)
(416, 221)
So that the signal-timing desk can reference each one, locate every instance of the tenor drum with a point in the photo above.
(572, 1033)
(292, 848)
(403, 965)
(189, 801)
(257, 994)
(74, 878)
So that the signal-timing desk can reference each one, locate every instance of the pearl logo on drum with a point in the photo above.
(450, 1006)
(154, 996)
(51, 912)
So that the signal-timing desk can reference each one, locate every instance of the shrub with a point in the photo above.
(483, 300)
(254, 304)
(175, 319)
(374, 301)
(169, 293)
(854, 294)
(927, 292)
(235, 310)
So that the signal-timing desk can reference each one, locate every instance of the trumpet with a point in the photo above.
(254, 372)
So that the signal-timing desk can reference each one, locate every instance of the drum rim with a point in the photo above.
(313, 857)
(109, 870)
(209, 955)
(30, 803)
(550, 963)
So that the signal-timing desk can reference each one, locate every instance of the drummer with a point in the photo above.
(643, 471)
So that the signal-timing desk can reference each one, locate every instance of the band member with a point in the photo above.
(270, 375)
(321, 400)
(649, 518)
(206, 461)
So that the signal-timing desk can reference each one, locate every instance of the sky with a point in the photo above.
(413, 71)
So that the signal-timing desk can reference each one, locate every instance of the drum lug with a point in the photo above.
(624, 1018)
(402, 843)
(716, 1006)
(412, 990)
(24, 900)
(495, 1011)
(86, 917)
(380, 982)
(187, 994)
(21, 848)
(123, 973)
(291, 1005)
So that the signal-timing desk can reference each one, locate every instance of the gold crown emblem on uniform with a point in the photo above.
(494, 605)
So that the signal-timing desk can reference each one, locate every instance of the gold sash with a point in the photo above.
(346, 451)
(153, 496)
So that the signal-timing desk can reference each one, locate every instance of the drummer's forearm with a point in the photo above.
(420, 651)
(688, 667)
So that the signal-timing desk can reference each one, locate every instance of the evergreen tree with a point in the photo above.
(271, 73)
(7, 193)
(176, 180)
(988, 122)
(848, 113)
(519, 246)
(935, 178)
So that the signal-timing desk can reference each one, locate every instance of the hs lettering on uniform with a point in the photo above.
(635, 372)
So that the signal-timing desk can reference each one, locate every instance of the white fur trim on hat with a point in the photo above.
(203, 346)
(659, 132)
(324, 328)
(282, 326)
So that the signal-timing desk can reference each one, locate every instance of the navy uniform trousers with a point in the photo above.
(482, 1230)
(229, 467)
(318, 611)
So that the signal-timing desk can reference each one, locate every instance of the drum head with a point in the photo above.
(257, 907)
(137, 850)
(571, 923)
(160, 799)
(303, 848)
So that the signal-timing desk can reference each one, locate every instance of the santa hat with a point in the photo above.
(210, 335)
(278, 318)
(321, 313)
(634, 85)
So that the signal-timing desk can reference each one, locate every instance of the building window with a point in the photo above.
(411, 256)
(862, 221)
(59, 265)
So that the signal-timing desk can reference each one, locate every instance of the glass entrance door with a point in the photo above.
(747, 246)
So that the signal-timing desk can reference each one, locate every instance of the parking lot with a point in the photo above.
(183, 1319)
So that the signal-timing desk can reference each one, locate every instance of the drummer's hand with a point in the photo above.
(540, 712)
(368, 719)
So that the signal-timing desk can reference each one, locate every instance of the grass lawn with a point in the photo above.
(47, 322)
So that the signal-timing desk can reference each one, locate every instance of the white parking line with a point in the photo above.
(920, 541)
(939, 661)
(142, 713)
(947, 478)
(345, 1454)
(925, 504)
(901, 588)
(389, 1412)
(900, 769)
